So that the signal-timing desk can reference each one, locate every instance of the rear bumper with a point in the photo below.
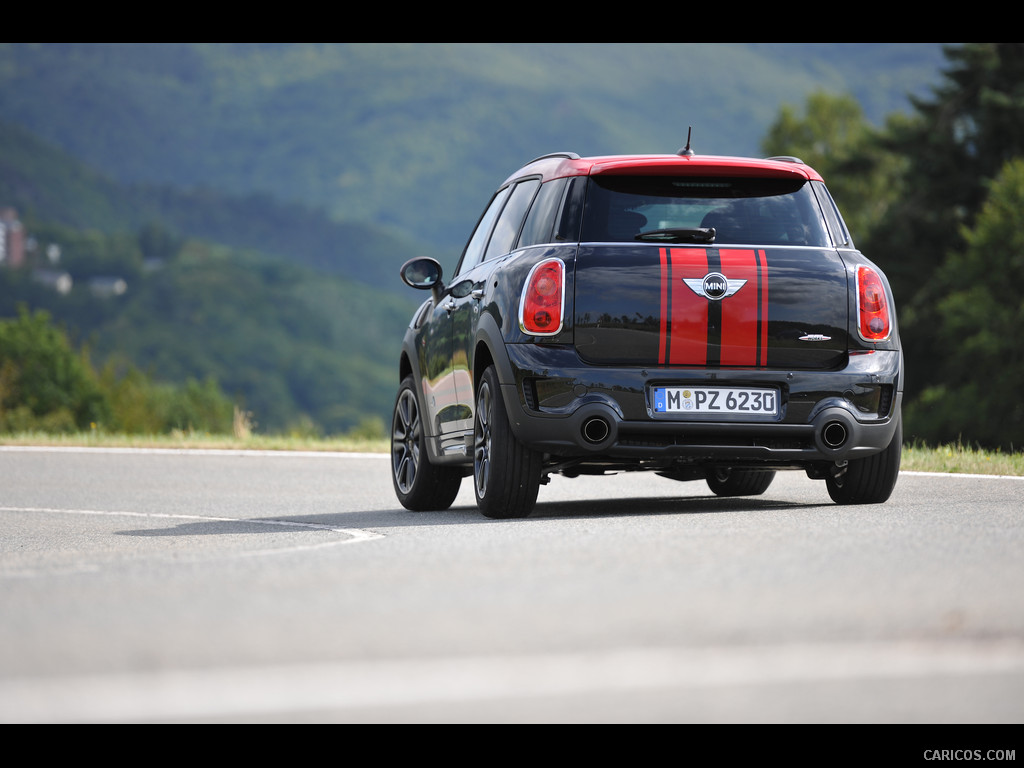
(560, 407)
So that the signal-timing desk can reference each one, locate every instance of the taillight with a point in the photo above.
(540, 309)
(872, 305)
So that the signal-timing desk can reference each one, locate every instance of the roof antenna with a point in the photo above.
(686, 151)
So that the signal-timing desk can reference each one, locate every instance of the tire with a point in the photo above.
(419, 485)
(506, 474)
(740, 482)
(869, 480)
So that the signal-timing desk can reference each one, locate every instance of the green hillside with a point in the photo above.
(277, 187)
(296, 332)
(47, 184)
(295, 348)
(415, 136)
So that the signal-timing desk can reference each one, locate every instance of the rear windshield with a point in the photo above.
(747, 211)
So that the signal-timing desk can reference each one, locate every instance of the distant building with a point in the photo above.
(105, 287)
(12, 238)
(61, 282)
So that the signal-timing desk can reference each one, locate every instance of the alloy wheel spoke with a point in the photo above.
(482, 441)
(405, 442)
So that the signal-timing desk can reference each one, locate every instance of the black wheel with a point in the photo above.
(506, 474)
(740, 482)
(419, 485)
(869, 480)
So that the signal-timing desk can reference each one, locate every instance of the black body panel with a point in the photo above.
(633, 306)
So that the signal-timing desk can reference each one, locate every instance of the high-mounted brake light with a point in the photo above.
(540, 308)
(872, 306)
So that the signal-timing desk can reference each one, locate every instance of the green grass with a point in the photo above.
(945, 458)
(963, 459)
(200, 441)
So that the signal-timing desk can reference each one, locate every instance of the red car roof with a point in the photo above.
(567, 164)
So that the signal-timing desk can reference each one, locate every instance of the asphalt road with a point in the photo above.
(176, 587)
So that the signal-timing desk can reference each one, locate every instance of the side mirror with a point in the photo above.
(421, 273)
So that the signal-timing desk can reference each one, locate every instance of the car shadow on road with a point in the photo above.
(668, 505)
(468, 514)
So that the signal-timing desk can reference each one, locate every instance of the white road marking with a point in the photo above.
(357, 685)
(960, 474)
(176, 516)
(194, 451)
(354, 536)
(357, 534)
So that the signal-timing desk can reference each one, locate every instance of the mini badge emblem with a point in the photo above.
(714, 285)
(815, 337)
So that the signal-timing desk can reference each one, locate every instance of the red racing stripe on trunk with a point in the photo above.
(666, 307)
(741, 331)
(762, 266)
(684, 314)
(740, 315)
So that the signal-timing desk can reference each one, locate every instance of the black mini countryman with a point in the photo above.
(704, 318)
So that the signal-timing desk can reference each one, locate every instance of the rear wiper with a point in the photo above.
(679, 235)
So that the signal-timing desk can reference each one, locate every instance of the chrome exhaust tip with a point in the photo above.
(595, 430)
(597, 427)
(835, 434)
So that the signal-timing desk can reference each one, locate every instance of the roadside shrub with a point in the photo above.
(44, 384)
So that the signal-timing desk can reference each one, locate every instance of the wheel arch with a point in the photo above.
(489, 349)
(405, 366)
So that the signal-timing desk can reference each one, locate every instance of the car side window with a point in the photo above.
(541, 220)
(570, 218)
(836, 225)
(506, 230)
(474, 251)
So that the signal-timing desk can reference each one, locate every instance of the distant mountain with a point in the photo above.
(46, 183)
(414, 136)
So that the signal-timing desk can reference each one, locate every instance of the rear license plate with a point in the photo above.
(722, 400)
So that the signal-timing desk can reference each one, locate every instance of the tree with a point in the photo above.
(44, 384)
(954, 146)
(47, 386)
(142, 406)
(834, 138)
(922, 201)
(158, 242)
(977, 394)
